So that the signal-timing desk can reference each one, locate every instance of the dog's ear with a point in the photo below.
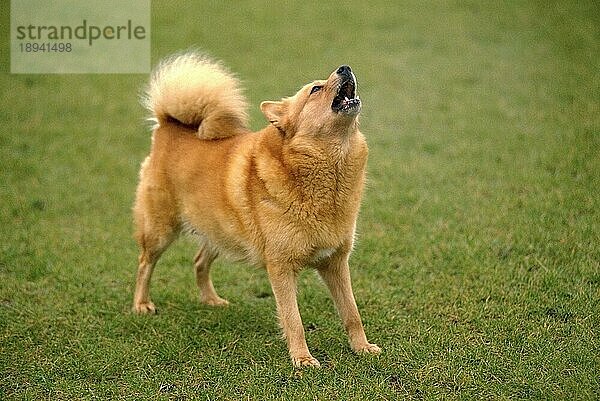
(274, 111)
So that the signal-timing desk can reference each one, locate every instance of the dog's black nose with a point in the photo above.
(344, 70)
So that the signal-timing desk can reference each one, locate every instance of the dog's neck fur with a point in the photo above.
(325, 173)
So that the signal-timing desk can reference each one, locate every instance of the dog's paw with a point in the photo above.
(367, 348)
(302, 361)
(144, 308)
(215, 301)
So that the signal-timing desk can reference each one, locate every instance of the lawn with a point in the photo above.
(477, 265)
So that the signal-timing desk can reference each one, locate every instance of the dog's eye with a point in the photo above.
(316, 88)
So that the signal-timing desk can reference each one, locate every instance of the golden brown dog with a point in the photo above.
(285, 197)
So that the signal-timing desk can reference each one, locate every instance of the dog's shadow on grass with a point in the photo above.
(255, 316)
(247, 329)
(206, 325)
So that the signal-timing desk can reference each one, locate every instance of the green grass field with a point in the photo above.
(477, 266)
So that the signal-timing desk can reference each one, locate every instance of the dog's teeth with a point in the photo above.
(346, 99)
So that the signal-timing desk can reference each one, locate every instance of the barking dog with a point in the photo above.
(285, 197)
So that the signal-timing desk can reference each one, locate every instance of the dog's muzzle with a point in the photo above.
(346, 101)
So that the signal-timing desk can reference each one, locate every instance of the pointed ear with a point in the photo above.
(274, 111)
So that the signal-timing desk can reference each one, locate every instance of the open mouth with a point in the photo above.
(346, 100)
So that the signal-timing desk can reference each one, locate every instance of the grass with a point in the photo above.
(477, 268)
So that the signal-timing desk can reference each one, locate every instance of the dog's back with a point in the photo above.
(200, 115)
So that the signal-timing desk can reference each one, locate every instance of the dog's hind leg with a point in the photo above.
(152, 248)
(156, 229)
(202, 262)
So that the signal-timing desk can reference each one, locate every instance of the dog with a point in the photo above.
(284, 198)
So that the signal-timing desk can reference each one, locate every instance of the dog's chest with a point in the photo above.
(322, 253)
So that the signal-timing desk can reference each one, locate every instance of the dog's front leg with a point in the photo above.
(283, 283)
(336, 274)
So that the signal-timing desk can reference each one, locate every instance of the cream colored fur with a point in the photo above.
(197, 91)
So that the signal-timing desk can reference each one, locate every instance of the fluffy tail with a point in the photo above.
(199, 92)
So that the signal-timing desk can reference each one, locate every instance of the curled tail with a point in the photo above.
(199, 92)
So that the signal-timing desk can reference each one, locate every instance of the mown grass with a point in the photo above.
(477, 264)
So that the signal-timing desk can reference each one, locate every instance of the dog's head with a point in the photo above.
(325, 107)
